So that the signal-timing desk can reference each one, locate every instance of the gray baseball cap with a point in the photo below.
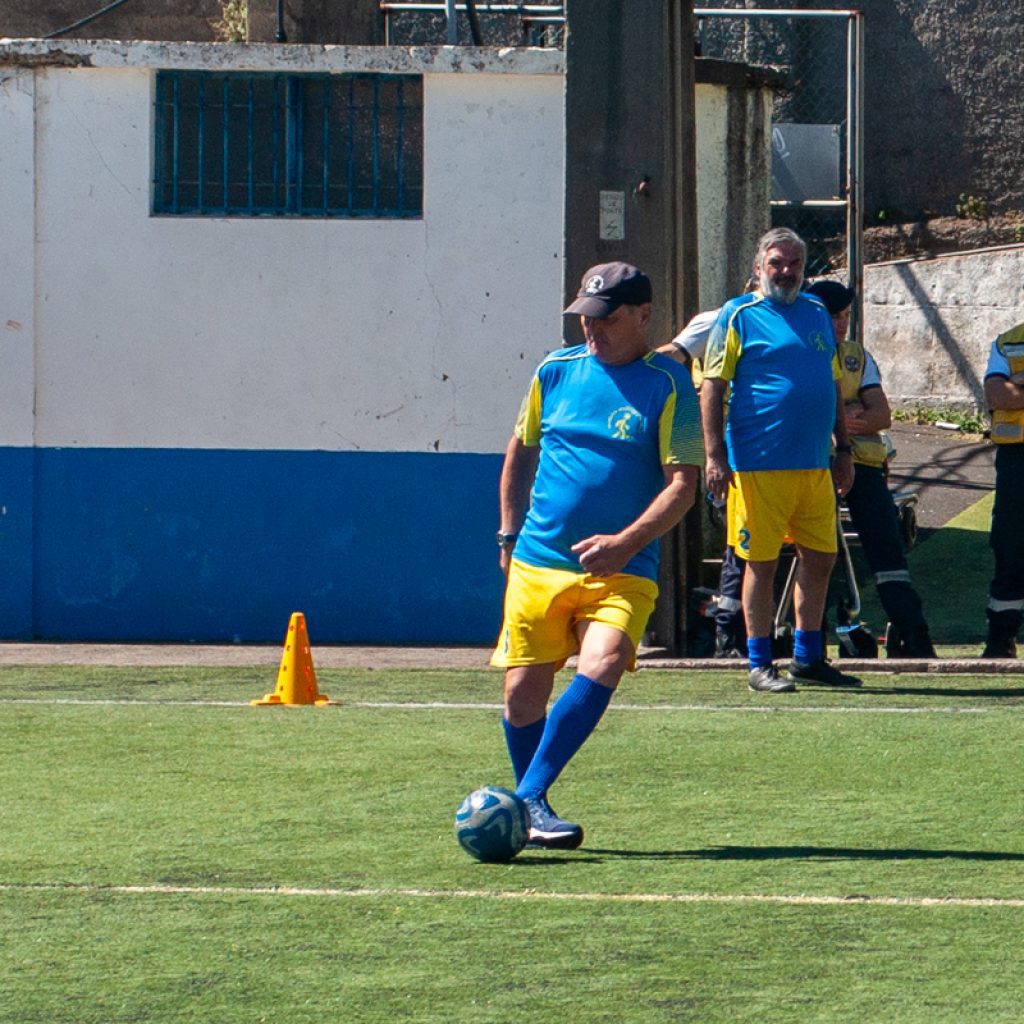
(606, 287)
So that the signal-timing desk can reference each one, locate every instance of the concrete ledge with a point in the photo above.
(231, 656)
(872, 666)
(105, 53)
(438, 658)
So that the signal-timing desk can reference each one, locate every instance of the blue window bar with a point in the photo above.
(277, 145)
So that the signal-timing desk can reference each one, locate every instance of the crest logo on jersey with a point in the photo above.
(594, 285)
(624, 423)
(817, 339)
(851, 363)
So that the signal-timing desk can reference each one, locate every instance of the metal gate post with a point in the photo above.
(855, 166)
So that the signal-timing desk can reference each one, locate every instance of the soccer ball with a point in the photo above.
(492, 824)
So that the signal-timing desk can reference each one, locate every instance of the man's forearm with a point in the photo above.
(712, 414)
(665, 511)
(842, 435)
(604, 554)
(516, 480)
(1004, 393)
(868, 415)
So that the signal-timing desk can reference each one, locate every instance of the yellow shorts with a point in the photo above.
(543, 607)
(773, 507)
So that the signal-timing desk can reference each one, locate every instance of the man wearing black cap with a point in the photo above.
(604, 460)
(872, 509)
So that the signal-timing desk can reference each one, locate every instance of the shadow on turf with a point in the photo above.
(806, 853)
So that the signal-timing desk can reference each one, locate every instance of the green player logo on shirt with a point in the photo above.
(623, 423)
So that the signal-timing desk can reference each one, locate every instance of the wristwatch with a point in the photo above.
(844, 449)
(506, 540)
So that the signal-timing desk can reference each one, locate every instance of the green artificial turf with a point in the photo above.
(951, 571)
(172, 854)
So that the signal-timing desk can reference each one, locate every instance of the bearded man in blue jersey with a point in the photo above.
(769, 454)
(604, 459)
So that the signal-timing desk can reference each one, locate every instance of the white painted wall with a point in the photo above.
(280, 333)
(206, 423)
(16, 256)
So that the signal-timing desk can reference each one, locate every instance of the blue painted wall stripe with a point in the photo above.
(215, 545)
(17, 473)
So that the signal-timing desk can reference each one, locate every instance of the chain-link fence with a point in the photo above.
(816, 119)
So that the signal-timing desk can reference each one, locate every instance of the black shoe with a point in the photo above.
(893, 641)
(1000, 647)
(820, 672)
(766, 679)
(728, 645)
(548, 830)
(917, 643)
(1003, 627)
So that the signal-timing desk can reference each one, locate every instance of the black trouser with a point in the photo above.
(729, 618)
(1007, 536)
(876, 519)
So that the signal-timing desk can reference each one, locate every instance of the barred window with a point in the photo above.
(306, 145)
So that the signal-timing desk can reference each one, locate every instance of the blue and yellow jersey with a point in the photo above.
(780, 361)
(604, 434)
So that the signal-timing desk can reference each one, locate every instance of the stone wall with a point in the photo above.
(930, 323)
(943, 81)
(154, 19)
(354, 22)
(958, 122)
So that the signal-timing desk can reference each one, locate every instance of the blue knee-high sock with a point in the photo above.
(759, 650)
(522, 741)
(807, 645)
(572, 719)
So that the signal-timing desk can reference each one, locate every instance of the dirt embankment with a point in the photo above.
(938, 235)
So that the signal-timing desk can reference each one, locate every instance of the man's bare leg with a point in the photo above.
(810, 591)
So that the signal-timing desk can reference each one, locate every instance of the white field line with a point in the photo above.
(780, 708)
(525, 895)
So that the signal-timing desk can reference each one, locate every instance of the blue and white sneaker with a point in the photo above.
(548, 830)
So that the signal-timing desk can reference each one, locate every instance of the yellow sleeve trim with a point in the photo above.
(668, 415)
(720, 360)
(528, 420)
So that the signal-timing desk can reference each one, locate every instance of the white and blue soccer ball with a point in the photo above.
(492, 824)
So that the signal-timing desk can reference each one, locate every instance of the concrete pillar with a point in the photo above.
(631, 187)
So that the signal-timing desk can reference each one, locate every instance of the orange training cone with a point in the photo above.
(296, 680)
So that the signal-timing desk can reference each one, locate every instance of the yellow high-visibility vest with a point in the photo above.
(1008, 424)
(868, 449)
